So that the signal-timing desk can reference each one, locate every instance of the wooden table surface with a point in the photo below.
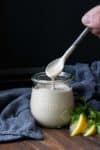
(55, 139)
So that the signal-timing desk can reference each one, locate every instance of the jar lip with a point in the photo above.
(42, 78)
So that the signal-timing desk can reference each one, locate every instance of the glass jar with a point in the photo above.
(51, 105)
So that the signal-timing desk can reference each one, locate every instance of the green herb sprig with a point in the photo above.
(92, 115)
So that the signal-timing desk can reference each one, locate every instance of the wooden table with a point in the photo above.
(55, 139)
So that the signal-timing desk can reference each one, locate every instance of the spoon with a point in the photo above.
(56, 66)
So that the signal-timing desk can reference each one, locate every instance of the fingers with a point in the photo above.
(96, 32)
(92, 20)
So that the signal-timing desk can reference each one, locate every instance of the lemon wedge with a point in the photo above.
(79, 126)
(90, 131)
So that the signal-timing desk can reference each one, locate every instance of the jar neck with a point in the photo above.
(41, 78)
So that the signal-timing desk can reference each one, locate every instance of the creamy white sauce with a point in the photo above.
(51, 107)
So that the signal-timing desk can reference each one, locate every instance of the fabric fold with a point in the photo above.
(86, 82)
(16, 121)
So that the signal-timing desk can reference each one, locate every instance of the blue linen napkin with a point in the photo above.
(16, 121)
(86, 82)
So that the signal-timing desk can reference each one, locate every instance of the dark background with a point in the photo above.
(32, 33)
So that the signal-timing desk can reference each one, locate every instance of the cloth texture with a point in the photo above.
(86, 82)
(16, 121)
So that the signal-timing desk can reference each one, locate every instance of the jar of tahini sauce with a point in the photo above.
(52, 101)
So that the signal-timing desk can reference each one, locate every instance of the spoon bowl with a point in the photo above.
(54, 68)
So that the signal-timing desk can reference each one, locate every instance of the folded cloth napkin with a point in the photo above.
(16, 121)
(86, 82)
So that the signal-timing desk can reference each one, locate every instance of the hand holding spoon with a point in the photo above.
(57, 65)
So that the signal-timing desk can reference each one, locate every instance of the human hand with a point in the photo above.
(92, 20)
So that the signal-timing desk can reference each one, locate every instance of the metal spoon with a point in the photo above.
(57, 65)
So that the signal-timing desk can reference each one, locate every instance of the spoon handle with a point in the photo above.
(81, 36)
(75, 43)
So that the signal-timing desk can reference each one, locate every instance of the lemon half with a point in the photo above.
(90, 131)
(79, 126)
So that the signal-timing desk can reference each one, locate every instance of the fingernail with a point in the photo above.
(87, 20)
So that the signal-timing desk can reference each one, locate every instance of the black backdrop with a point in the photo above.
(34, 32)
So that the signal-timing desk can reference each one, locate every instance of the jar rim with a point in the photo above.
(42, 78)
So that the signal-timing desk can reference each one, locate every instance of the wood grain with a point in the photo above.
(55, 139)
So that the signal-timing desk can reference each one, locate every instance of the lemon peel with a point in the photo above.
(79, 126)
(90, 131)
